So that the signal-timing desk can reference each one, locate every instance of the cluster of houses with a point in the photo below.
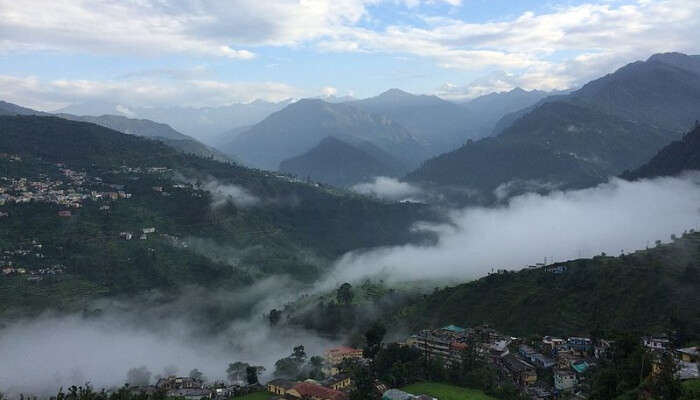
(70, 193)
(142, 236)
(547, 368)
(687, 358)
(334, 387)
(337, 385)
(11, 259)
(563, 361)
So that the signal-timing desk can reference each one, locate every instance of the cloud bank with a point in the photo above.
(387, 188)
(41, 355)
(612, 217)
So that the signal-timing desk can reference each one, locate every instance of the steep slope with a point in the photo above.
(13, 109)
(440, 125)
(646, 292)
(338, 163)
(487, 110)
(485, 165)
(672, 160)
(147, 128)
(663, 92)
(300, 126)
(140, 127)
(611, 124)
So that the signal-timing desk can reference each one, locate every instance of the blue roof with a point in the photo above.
(579, 366)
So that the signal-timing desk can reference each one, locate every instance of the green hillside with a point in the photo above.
(648, 291)
(200, 237)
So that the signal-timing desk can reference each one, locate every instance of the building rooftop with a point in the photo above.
(454, 328)
(283, 383)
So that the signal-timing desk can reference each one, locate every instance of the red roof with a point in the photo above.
(343, 349)
(317, 391)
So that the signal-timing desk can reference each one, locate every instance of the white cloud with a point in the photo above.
(608, 218)
(552, 50)
(31, 91)
(388, 188)
(559, 48)
(223, 193)
(328, 91)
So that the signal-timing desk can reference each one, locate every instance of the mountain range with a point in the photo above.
(140, 127)
(206, 124)
(339, 163)
(302, 125)
(610, 125)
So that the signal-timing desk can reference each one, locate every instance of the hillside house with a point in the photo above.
(551, 344)
(188, 394)
(308, 390)
(656, 342)
(535, 357)
(689, 354)
(580, 346)
(337, 382)
(446, 343)
(280, 386)
(523, 373)
(564, 380)
(149, 230)
(556, 269)
(337, 355)
(174, 382)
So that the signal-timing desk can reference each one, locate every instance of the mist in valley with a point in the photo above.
(207, 329)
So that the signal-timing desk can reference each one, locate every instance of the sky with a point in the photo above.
(211, 53)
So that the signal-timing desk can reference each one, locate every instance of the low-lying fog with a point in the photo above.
(42, 354)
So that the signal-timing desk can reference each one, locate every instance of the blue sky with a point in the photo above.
(209, 53)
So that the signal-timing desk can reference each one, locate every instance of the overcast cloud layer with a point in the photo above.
(227, 52)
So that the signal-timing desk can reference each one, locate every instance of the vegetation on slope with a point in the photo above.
(291, 229)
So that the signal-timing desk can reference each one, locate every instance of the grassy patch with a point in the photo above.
(256, 396)
(444, 391)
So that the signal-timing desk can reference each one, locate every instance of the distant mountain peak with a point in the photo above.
(395, 92)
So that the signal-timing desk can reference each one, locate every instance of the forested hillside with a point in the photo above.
(215, 223)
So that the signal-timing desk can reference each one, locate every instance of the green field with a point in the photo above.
(444, 391)
(256, 396)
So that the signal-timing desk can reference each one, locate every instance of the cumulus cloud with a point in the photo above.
(555, 49)
(388, 189)
(615, 216)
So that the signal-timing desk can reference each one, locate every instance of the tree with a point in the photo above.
(364, 388)
(344, 294)
(373, 340)
(315, 368)
(197, 375)
(287, 368)
(665, 383)
(236, 372)
(140, 376)
(299, 354)
(275, 316)
(252, 373)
